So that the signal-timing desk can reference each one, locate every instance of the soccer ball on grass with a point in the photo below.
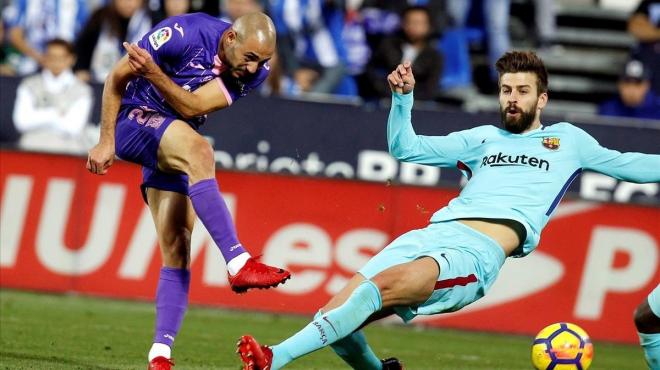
(562, 346)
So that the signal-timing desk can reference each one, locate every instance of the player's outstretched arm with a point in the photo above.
(633, 167)
(206, 99)
(404, 144)
(102, 155)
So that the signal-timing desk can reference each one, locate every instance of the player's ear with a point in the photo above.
(542, 100)
(231, 38)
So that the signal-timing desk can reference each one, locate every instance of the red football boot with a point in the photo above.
(392, 364)
(161, 363)
(254, 356)
(257, 275)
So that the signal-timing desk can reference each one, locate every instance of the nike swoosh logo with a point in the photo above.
(329, 323)
(443, 256)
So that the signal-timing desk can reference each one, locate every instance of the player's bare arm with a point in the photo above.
(102, 155)
(206, 99)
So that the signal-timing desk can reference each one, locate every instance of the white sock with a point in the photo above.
(237, 263)
(159, 349)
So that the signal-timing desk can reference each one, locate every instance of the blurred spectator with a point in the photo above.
(309, 37)
(232, 9)
(545, 16)
(92, 5)
(636, 99)
(169, 8)
(381, 17)
(6, 69)
(274, 84)
(99, 45)
(33, 22)
(496, 20)
(412, 43)
(644, 25)
(52, 108)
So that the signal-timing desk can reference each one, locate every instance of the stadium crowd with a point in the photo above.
(338, 47)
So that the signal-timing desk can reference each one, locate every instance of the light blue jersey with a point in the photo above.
(520, 177)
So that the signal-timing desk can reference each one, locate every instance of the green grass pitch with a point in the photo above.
(41, 331)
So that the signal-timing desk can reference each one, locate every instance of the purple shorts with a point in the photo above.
(137, 137)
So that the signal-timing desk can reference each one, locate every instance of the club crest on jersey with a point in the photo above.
(551, 143)
(160, 37)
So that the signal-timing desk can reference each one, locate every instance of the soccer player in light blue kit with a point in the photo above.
(647, 321)
(517, 176)
(154, 101)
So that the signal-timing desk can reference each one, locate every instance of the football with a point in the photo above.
(562, 346)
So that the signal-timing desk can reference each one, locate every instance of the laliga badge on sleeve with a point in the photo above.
(160, 37)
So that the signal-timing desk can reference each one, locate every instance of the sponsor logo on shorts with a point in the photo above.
(505, 160)
(160, 37)
(148, 118)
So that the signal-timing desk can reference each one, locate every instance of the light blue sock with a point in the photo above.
(330, 327)
(355, 351)
(651, 345)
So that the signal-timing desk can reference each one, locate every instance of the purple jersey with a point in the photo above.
(186, 49)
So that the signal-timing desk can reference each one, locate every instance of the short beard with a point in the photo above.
(522, 123)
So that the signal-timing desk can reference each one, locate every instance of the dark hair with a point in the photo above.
(63, 43)
(524, 61)
(416, 8)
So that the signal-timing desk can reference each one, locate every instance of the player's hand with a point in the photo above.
(100, 158)
(402, 80)
(140, 60)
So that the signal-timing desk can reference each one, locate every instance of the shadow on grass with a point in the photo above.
(50, 360)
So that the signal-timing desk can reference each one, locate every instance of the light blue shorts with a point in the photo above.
(469, 262)
(654, 300)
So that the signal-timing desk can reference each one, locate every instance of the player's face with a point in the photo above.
(520, 103)
(245, 58)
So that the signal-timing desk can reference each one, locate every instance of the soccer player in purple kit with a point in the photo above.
(154, 101)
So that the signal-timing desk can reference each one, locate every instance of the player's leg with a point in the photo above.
(182, 149)
(647, 321)
(174, 219)
(353, 348)
(405, 284)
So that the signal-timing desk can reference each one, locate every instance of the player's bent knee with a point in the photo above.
(408, 283)
(201, 161)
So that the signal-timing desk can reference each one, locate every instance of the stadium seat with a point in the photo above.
(347, 87)
(454, 44)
